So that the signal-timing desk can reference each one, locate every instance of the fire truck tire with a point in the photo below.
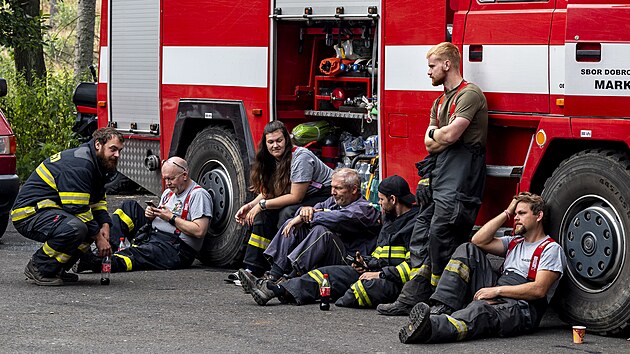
(589, 215)
(4, 222)
(216, 164)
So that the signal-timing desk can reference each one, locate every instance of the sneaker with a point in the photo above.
(396, 308)
(441, 309)
(33, 274)
(418, 330)
(256, 287)
(68, 277)
(232, 277)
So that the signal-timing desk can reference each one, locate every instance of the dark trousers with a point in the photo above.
(346, 288)
(266, 226)
(65, 238)
(468, 271)
(306, 249)
(150, 249)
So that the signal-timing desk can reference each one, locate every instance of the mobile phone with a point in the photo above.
(150, 203)
(350, 259)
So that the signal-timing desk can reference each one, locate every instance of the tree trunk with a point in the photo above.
(84, 50)
(53, 13)
(29, 60)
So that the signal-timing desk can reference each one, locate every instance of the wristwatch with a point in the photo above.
(172, 220)
(263, 204)
(431, 132)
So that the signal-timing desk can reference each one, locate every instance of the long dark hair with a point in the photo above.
(270, 177)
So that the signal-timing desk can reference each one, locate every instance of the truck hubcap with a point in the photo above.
(592, 238)
(217, 182)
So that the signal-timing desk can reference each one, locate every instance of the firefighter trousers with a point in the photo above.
(468, 271)
(150, 249)
(266, 226)
(346, 288)
(65, 238)
(306, 249)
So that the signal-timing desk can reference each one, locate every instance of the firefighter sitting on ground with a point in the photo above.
(326, 233)
(62, 204)
(472, 301)
(167, 236)
(370, 280)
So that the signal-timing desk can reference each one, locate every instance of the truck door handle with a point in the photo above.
(475, 53)
(588, 52)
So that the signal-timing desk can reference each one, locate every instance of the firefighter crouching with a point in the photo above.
(472, 301)
(371, 279)
(62, 204)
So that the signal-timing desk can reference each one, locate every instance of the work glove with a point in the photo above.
(424, 193)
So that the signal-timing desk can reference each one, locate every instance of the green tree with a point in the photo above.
(21, 28)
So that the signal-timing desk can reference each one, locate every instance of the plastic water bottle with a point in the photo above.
(324, 294)
(106, 268)
(121, 245)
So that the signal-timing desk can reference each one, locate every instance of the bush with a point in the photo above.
(41, 116)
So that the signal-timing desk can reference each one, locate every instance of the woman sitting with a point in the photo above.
(285, 178)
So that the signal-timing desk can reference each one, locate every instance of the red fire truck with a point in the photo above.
(200, 79)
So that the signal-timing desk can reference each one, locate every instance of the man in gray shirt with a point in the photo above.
(166, 236)
(472, 301)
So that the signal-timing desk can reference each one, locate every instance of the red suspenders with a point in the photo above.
(452, 110)
(533, 264)
(185, 208)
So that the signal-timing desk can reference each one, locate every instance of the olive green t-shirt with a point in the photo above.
(470, 104)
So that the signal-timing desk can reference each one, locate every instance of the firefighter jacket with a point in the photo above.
(71, 180)
(391, 255)
(357, 224)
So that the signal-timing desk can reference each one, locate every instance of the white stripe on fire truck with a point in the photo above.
(608, 77)
(216, 66)
(510, 69)
(406, 68)
(103, 65)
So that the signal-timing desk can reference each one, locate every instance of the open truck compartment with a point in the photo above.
(325, 75)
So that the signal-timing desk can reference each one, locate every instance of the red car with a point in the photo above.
(9, 181)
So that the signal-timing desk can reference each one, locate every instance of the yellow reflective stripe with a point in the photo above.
(424, 271)
(435, 279)
(361, 295)
(458, 268)
(460, 326)
(125, 218)
(404, 272)
(22, 213)
(259, 241)
(75, 198)
(46, 176)
(84, 247)
(390, 252)
(102, 205)
(377, 252)
(85, 216)
(59, 256)
(127, 261)
(317, 275)
(47, 203)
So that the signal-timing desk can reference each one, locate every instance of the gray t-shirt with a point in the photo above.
(199, 205)
(552, 259)
(306, 167)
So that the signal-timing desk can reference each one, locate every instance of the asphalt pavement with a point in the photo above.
(195, 311)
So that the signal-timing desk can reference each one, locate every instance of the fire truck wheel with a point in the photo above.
(216, 164)
(589, 215)
(4, 222)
